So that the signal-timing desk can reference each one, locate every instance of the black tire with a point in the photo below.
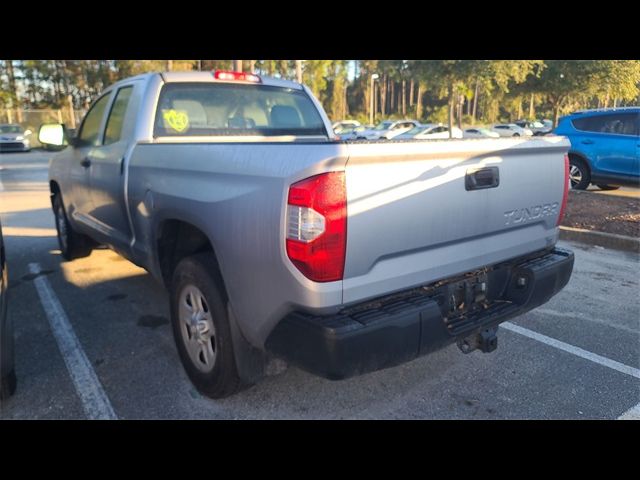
(72, 244)
(201, 271)
(516, 134)
(608, 187)
(583, 171)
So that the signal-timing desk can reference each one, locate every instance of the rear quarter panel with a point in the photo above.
(236, 194)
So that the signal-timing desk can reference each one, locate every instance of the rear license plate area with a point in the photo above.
(466, 296)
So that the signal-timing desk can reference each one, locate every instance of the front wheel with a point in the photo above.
(72, 244)
(608, 187)
(201, 327)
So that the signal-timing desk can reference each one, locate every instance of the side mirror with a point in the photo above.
(52, 134)
(27, 133)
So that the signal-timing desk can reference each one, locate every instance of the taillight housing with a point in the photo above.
(316, 219)
(565, 195)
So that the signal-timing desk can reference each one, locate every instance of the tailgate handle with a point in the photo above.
(480, 178)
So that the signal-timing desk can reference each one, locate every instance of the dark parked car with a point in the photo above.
(7, 372)
(605, 147)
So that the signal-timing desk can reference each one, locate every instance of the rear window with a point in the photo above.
(619, 123)
(235, 109)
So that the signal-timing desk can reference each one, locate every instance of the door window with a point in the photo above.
(90, 129)
(117, 115)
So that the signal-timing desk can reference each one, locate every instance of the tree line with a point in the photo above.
(459, 92)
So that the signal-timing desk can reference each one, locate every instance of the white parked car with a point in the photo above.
(480, 133)
(340, 127)
(430, 131)
(388, 129)
(13, 138)
(511, 130)
(350, 133)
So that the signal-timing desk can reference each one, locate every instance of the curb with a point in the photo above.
(607, 240)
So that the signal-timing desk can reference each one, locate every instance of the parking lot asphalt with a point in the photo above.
(576, 357)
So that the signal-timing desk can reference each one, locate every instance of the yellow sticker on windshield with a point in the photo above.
(178, 120)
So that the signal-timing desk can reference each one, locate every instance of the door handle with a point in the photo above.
(86, 163)
(587, 142)
(480, 178)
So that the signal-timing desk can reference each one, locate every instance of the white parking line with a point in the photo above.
(581, 316)
(94, 400)
(620, 367)
(632, 414)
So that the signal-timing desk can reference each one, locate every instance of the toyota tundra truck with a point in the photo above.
(276, 240)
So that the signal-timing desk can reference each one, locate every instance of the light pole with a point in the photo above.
(374, 76)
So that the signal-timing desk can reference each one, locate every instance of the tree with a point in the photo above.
(566, 83)
(336, 105)
(448, 79)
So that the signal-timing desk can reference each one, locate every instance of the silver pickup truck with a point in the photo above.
(277, 240)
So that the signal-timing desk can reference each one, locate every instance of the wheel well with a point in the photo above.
(581, 158)
(176, 240)
(54, 187)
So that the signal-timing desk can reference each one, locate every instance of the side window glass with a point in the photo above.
(117, 115)
(620, 124)
(91, 125)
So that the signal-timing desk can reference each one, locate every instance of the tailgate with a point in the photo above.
(415, 215)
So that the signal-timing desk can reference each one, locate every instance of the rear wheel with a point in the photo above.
(201, 326)
(608, 187)
(516, 134)
(579, 174)
(72, 244)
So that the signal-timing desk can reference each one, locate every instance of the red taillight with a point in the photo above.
(236, 76)
(317, 226)
(565, 195)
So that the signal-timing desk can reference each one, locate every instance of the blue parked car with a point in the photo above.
(605, 147)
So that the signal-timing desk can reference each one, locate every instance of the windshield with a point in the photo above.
(190, 109)
(383, 126)
(10, 129)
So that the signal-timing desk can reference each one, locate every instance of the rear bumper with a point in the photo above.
(396, 329)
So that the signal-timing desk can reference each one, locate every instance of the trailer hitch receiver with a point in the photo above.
(486, 341)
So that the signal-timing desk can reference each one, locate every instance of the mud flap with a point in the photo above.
(250, 361)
